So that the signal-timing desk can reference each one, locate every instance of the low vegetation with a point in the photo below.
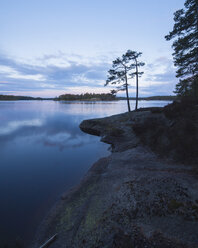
(172, 131)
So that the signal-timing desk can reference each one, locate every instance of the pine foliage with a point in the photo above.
(122, 71)
(185, 45)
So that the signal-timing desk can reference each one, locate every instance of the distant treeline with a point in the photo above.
(14, 98)
(151, 98)
(87, 97)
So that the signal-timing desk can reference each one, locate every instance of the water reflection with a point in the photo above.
(14, 125)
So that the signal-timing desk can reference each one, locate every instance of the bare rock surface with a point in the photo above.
(133, 198)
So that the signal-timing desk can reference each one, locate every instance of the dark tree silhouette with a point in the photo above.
(87, 96)
(134, 55)
(122, 71)
(185, 45)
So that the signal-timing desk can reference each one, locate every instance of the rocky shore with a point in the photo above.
(137, 196)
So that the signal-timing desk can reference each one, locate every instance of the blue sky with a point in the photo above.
(51, 47)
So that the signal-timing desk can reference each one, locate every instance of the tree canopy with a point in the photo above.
(122, 71)
(185, 45)
(88, 96)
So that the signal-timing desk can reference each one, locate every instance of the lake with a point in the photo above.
(43, 153)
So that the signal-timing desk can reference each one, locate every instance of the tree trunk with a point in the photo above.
(136, 104)
(127, 93)
(128, 103)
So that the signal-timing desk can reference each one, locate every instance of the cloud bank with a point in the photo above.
(52, 75)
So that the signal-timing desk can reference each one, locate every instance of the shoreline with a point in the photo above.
(122, 199)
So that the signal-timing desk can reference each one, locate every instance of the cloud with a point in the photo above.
(159, 77)
(14, 125)
(55, 74)
(9, 72)
(161, 70)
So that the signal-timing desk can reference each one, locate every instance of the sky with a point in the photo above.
(53, 47)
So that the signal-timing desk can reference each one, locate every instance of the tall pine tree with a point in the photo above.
(121, 72)
(185, 45)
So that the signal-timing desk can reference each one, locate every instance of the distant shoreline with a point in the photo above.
(27, 98)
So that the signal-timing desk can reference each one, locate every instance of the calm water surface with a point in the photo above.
(42, 154)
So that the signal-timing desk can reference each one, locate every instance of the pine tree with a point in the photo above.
(122, 72)
(185, 45)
